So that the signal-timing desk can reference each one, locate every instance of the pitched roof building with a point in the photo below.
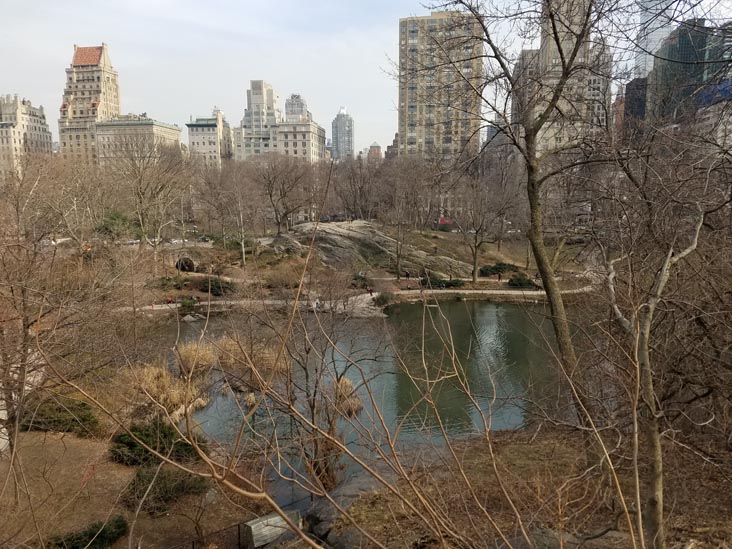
(91, 95)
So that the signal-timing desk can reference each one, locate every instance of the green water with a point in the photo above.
(429, 371)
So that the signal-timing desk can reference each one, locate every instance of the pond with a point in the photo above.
(430, 372)
(477, 361)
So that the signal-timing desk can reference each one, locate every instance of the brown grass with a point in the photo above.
(71, 483)
(165, 388)
(196, 358)
(263, 358)
(347, 401)
(543, 477)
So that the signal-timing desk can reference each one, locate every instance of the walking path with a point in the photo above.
(358, 306)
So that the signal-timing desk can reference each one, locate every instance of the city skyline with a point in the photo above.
(177, 59)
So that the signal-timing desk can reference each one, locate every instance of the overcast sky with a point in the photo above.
(177, 58)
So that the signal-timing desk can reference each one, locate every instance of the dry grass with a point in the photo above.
(169, 391)
(543, 477)
(262, 358)
(284, 275)
(347, 401)
(71, 483)
(196, 358)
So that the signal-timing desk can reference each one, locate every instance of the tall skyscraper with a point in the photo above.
(678, 71)
(440, 66)
(23, 130)
(342, 135)
(91, 95)
(656, 23)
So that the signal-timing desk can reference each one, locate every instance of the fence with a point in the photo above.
(232, 537)
(245, 535)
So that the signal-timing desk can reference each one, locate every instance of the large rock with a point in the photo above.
(322, 516)
(361, 243)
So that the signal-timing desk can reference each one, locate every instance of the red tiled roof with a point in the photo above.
(87, 55)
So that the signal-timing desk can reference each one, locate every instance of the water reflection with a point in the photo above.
(458, 367)
(467, 365)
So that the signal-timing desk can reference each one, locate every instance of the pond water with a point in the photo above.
(497, 350)
(429, 371)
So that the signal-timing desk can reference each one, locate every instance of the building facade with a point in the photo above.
(265, 130)
(374, 154)
(296, 109)
(91, 95)
(133, 134)
(584, 107)
(262, 116)
(23, 130)
(392, 151)
(678, 71)
(210, 139)
(656, 23)
(342, 129)
(440, 66)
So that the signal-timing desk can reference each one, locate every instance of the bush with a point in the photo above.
(285, 275)
(216, 286)
(522, 281)
(187, 305)
(170, 484)
(232, 243)
(159, 435)
(383, 299)
(61, 414)
(114, 224)
(437, 282)
(490, 270)
(171, 283)
(359, 281)
(98, 535)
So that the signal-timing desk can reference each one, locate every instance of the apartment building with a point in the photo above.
(584, 107)
(91, 95)
(210, 139)
(133, 134)
(264, 129)
(342, 131)
(440, 65)
(23, 130)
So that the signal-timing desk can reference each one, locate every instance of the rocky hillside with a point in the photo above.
(362, 243)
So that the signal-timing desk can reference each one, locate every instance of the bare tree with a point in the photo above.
(286, 182)
(154, 177)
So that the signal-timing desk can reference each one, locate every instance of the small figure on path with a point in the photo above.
(500, 276)
(370, 290)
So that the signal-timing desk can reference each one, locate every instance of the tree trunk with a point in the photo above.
(474, 250)
(241, 239)
(543, 264)
(653, 513)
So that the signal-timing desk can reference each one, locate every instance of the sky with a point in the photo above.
(180, 58)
